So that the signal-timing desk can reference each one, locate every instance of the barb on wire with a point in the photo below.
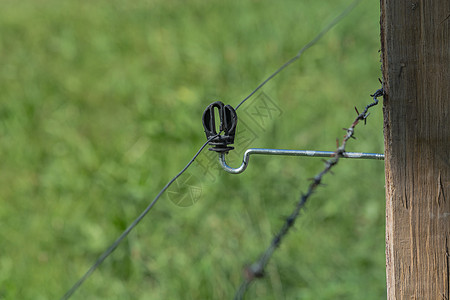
(256, 270)
(116, 243)
(327, 28)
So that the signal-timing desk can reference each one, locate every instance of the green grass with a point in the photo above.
(101, 104)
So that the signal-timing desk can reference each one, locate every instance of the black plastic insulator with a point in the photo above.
(227, 128)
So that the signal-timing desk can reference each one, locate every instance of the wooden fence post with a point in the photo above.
(415, 38)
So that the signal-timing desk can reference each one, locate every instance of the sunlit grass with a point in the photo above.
(101, 104)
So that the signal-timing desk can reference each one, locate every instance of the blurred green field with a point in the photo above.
(101, 104)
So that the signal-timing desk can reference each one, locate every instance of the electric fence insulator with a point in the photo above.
(227, 126)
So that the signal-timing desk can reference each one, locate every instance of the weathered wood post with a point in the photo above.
(415, 37)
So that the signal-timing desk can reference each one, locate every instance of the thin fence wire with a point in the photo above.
(116, 243)
(256, 270)
(327, 28)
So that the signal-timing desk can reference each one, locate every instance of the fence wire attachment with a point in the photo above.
(226, 128)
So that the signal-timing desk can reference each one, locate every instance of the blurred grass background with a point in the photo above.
(101, 104)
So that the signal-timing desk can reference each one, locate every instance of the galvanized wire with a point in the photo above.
(327, 28)
(116, 243)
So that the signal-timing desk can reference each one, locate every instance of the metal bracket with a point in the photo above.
(309, 153)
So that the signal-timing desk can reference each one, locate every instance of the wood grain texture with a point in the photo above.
(415, 37)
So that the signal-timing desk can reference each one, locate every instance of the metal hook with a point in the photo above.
(309, 153)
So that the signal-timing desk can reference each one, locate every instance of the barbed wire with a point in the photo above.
(116, 243)
(256, 270)
(327, 28)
